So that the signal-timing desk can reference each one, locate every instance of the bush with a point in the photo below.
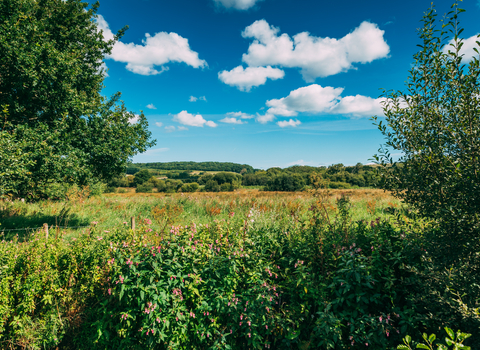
(212, 186)
(190, 187)
(45, 287)
(147, 187)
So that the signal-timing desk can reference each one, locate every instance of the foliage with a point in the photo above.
(435, 124)
(51, 79)
(285, 182)
(146, 187)
(190, 187)
(453, 339)
(45, 286)
(141, 177)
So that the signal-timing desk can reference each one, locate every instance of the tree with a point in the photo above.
(50, 93)
(142, 176)
(435, 125)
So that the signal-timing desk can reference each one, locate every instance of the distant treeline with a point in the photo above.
(190, 166)
(294, 178)
(298, 177)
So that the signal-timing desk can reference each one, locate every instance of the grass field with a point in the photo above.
(165, 209)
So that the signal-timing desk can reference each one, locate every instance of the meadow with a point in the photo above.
(112, 209)
(325, 269)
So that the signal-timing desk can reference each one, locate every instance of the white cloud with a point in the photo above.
(151, 106)
(236, 4)
(315, 56)
(103, 25)
(245, 79)
(170, 128)
(467, 48)
(231, 120)
(291, 123)
(156, 50)
(181, 128)
(186, 118)
(134, 120)
(195, 99)
(159, 124)
(240, 115)
(264, 118)
(316, 99)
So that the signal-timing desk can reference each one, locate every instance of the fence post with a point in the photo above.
(45, 227)
(132, 220)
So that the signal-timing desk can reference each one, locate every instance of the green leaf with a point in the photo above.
(450, 333)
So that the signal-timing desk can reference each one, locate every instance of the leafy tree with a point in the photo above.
(212, 186)
(142, 176)
(435, 125)
(50, 92)
(190, 187)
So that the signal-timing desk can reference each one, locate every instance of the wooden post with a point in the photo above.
(45, 227)
(132, 220)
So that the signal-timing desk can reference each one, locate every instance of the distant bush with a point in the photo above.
(147, 187)
(212, 186)
(190, 187)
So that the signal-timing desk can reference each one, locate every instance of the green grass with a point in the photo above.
(110, 210)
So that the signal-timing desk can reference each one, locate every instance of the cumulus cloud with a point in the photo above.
(231, 120)
(291, 123)
(315, 56)
(236, 4)
(159, 124)
(264, 118)
(170, 128)
(240, 115)
(467, 48)
(156, 50)
(195, 99)
(316, 99)
(245, 79)
(186, 118)
(182, 128)
(151, 106)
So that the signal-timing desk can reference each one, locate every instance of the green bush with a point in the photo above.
(190, 187)
(46, 285)
(146, 187)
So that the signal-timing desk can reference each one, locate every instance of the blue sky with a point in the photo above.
(264, 82)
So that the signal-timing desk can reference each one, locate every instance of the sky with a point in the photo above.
(264, 82)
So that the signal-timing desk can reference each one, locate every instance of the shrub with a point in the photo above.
(146, 187)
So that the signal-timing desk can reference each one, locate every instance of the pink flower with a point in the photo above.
(109, 291)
